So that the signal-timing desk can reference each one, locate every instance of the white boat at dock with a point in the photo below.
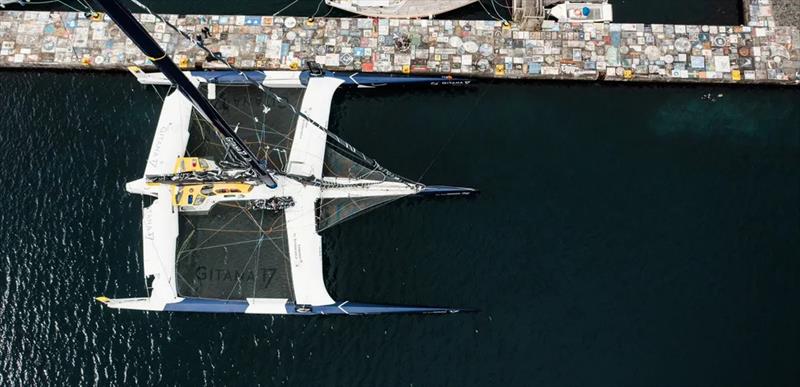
(398, 9)
(569, 12)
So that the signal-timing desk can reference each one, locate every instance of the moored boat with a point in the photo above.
(569, 12)
(399, 9)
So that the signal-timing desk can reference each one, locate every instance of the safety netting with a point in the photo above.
(234, 252)
(331, 212)
(341, 163)
(237, 251)
(264, 124)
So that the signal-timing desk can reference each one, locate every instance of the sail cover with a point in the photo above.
(235, 251)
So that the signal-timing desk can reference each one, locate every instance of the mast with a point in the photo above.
(136, 32)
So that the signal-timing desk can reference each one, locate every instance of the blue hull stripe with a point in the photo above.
(230, 77)
(351, 79)
(200, 305)
(348, 308)
(443, 190)
(207, 306)
(377, 79)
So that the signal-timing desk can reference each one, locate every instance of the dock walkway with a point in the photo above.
(759, 52)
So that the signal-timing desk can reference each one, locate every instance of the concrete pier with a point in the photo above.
(786, 12)
(759, 52)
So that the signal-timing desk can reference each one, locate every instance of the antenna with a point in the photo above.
(136, 32)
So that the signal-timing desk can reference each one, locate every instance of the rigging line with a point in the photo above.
(384, 200)
(182, 249)
(265, 233)
(454, 131)
(272, 226)
(287, 259)
(285, 8)
(158, 93)
(87, 5)
(223, 245)
(251, 115)
(203, 139)
(317, 10)
(239, 278)
(182, 278)
(506, 6)
(250, 104)
(42, 2)
(230, 105)
(229, 205)
(255, 269)
(230, 231)
(487, 10)
(239, 231)
(494, 5)
(188, 220)
(214, 234)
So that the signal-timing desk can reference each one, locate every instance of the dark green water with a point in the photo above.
(625, 235)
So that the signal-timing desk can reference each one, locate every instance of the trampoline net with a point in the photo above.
(265, 125)
(236, 251)
(340, 162)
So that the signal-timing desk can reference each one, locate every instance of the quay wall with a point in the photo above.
(759, 52)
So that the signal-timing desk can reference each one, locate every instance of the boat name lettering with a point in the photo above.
(155, 153)
(147, 222)
(264, 276)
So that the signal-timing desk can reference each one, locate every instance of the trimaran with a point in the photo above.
(234, 226)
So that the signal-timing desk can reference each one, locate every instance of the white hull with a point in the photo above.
(399, 9)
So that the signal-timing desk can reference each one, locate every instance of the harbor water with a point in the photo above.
(624, 235)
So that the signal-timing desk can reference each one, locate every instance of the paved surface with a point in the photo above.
(760, 52)
(787, 12)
